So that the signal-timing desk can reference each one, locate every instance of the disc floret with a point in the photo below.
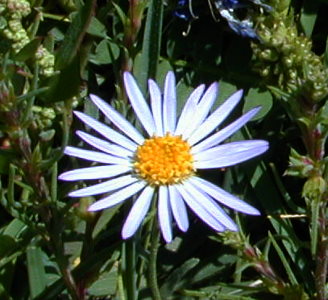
(164, 160)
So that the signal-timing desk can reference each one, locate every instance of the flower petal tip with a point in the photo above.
(61, 176)
(95, 207)
(125, 235)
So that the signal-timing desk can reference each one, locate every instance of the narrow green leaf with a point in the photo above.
(104, 219)
(175, 280)
(36, 272)
(28, 51)
(283, 259)
(66, 84)
(92, 265)
(146, 65)
(32, 94)
(315, 206)
(271, 201)
(75, 34)
(6, 156)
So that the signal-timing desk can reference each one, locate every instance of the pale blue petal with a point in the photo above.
(104, 146)
(96, 156)
(139, 104)
(202, 110)
(189, 109)
(98, 172)
(221, 135)
(156, 106)
(164, 213)
(198, 209)
(217, 117)
(118, 120)
(229, 154)
(207, 202)
(137, 212)
(118, 196)
(104, 187)
(106, 131)
(169, 104)
(223, 197)
(179, 209)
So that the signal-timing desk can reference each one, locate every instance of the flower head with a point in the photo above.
(165, 160)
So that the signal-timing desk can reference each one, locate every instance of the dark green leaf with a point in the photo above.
(28, 51)
(146, 65)
(255, 98)
(35, 269)
(74, 35)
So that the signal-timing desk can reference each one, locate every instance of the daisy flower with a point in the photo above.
(163, 160)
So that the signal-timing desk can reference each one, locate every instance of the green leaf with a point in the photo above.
(146, 65)
(106, 53)
(265, 190)
(6, 157)
(35, 269)
(104, 219)
(315, 208)
(105, 285)
(175, 279)
(255, 98)
(309, 16)
(96, 28)
(28, 51)
(92, 265)
(74, 35)
(66, 84)
(284, 261)
(226, 89)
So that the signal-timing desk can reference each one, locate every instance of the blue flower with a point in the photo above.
(162, 164)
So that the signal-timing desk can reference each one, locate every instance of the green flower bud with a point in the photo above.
(314, 188)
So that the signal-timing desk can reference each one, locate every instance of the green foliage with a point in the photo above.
(54, 53)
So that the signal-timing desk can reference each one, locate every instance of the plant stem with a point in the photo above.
(153, 284)
(130, 256)
(322, 256)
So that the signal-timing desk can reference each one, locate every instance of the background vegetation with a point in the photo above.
(54, 53)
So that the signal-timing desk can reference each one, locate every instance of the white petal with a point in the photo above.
(156, 106)
(216, 118)
(178, 208)
(117, 197)
(103, 145)
(98, 172)
(221, 135)
(202, 109)
(164, 213)
(104, 187)
(106, 131)
(96, 156)
(212, 207)
(137, 212)
(189, 109)
(198, 209)
(139, 104)
(223, 197)
(229, 154)
(118, 120)
(169, 104)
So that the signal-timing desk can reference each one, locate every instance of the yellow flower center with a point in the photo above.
(164, 160)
